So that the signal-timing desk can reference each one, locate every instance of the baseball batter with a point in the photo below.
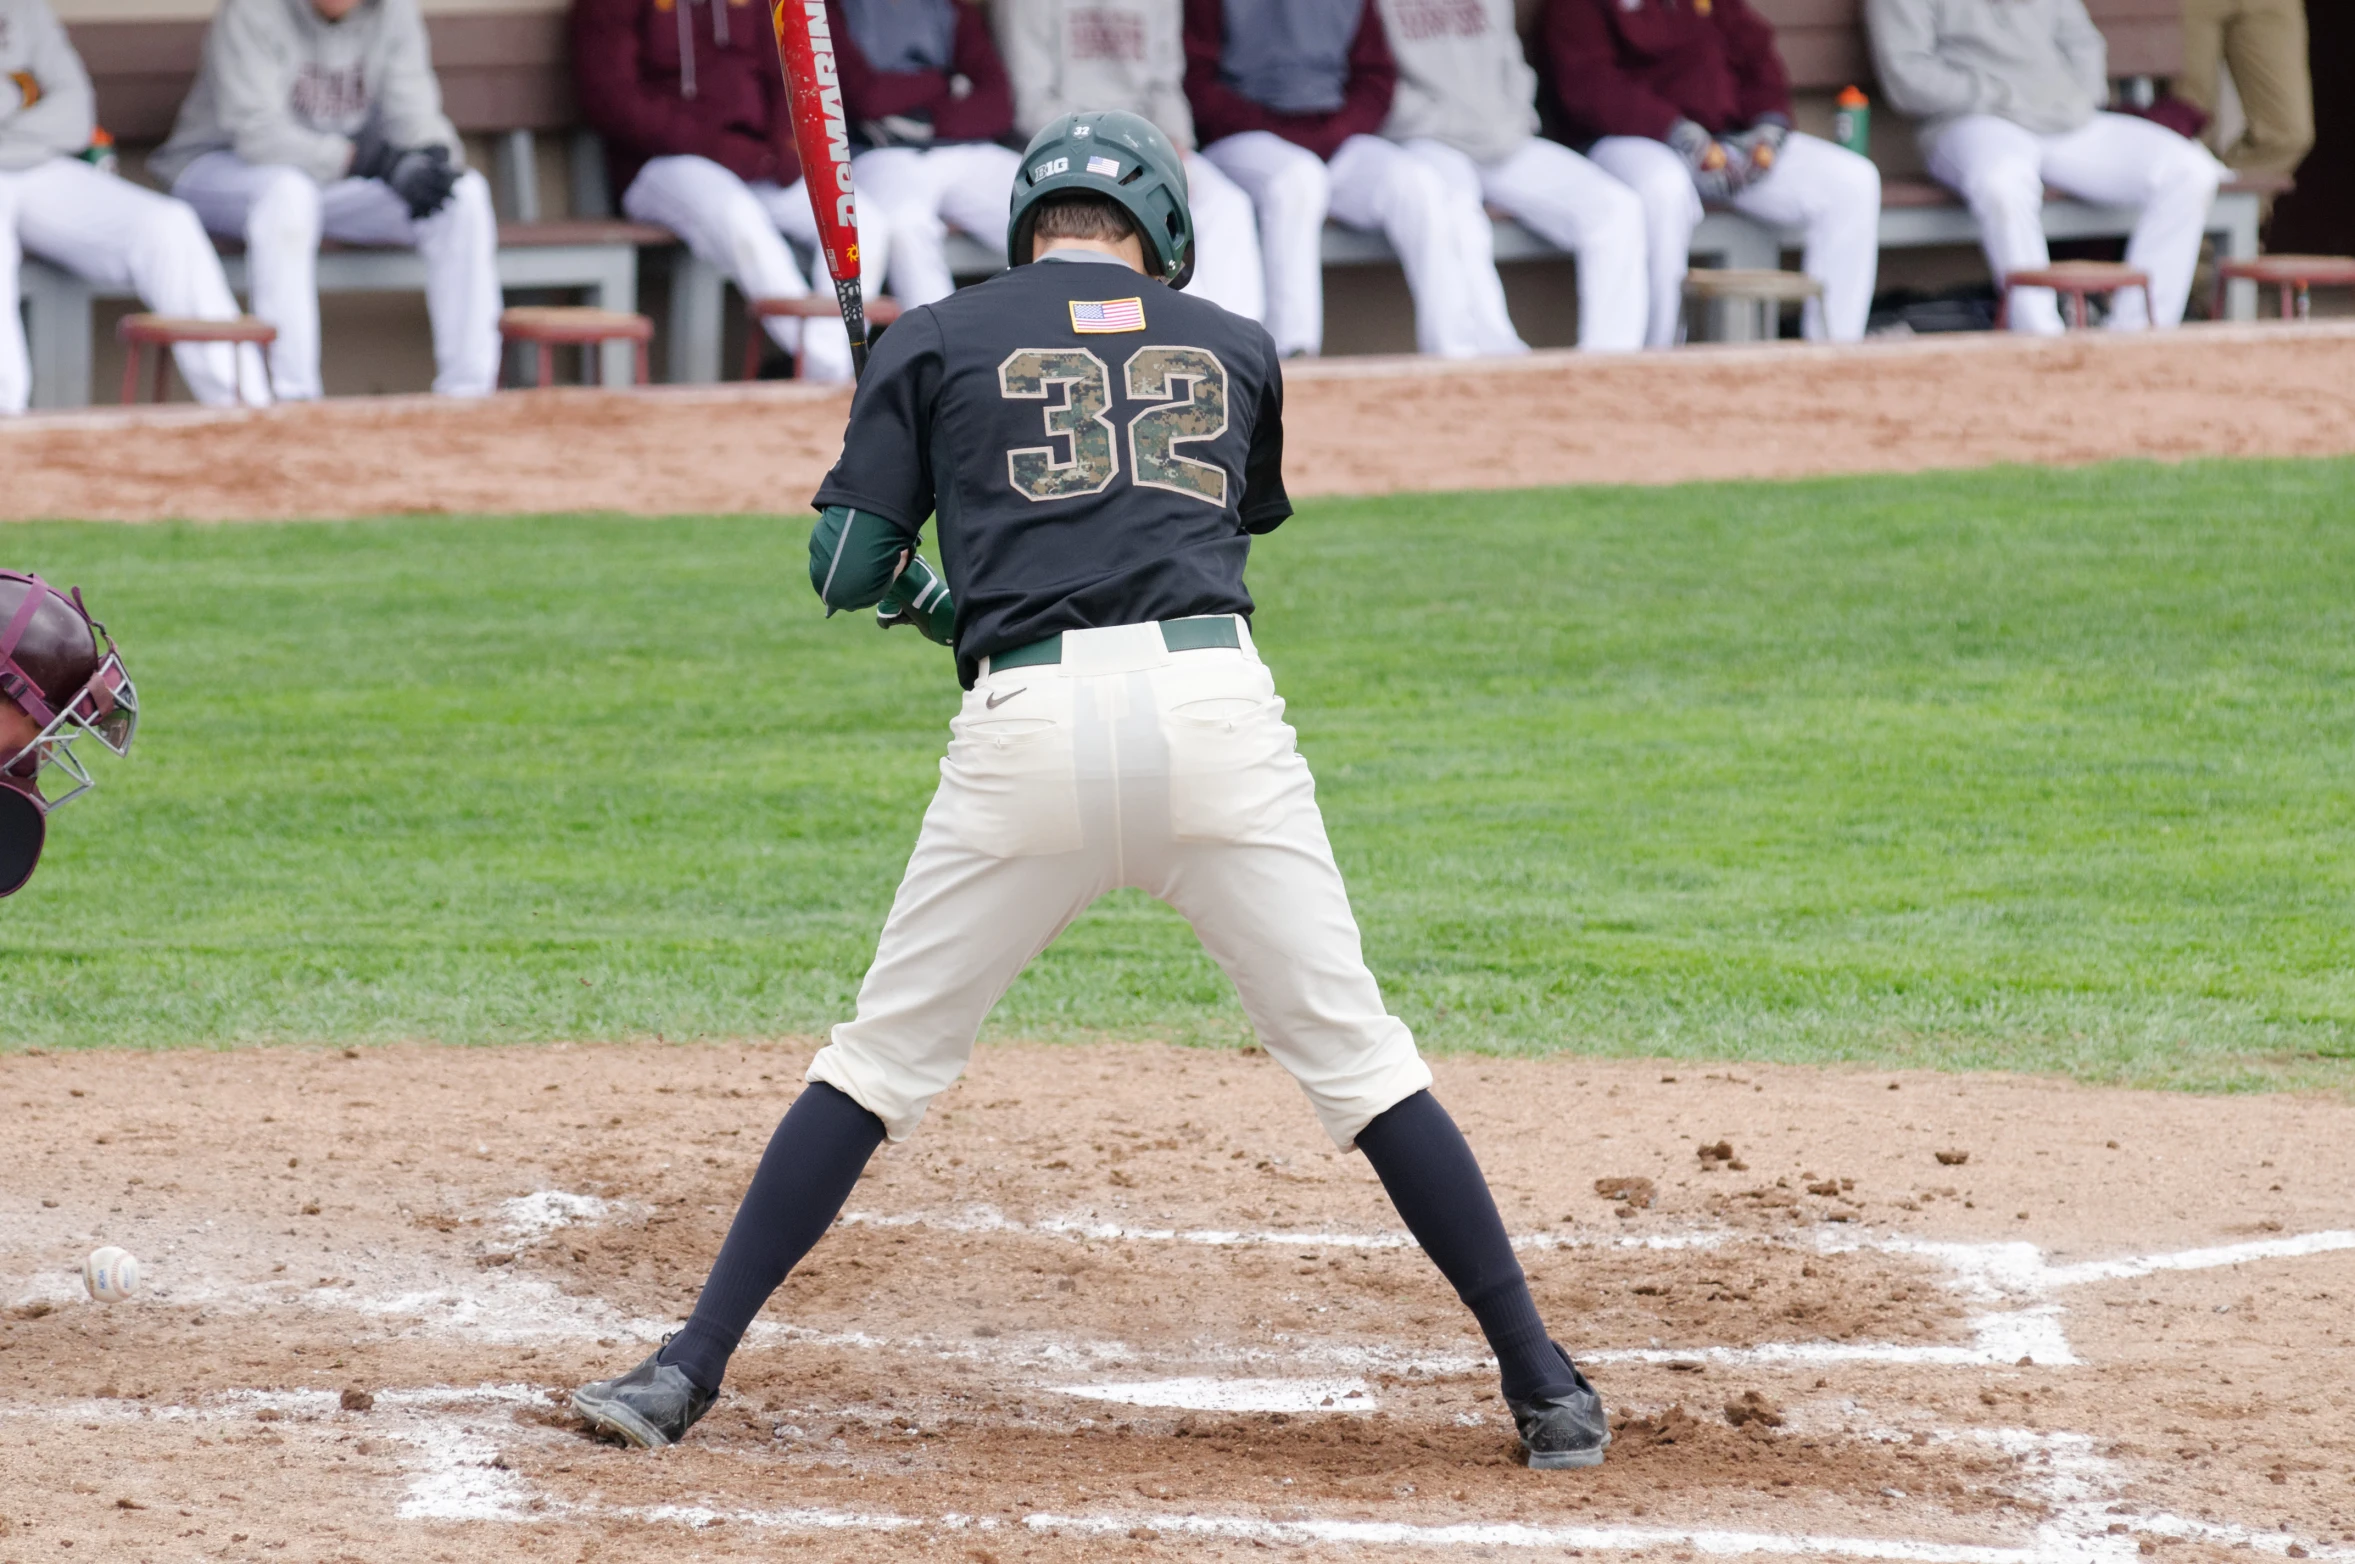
(61, 679)
(1100, 448)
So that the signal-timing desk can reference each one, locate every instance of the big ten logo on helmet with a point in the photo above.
(1101, 33)
(1439, 18)
(1050, 168)
(327, 96)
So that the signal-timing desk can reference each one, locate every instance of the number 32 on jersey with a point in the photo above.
(1187, 388)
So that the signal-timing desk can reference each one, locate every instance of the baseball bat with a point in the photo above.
(821, 134)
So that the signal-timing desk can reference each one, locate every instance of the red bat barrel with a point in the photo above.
(821, 134)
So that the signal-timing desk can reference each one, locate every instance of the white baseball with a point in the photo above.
(111, 1274)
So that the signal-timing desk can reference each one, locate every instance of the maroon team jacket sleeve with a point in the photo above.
(984, 114)
(1221, 111)
(987, 112)
(614, 97)
(1762, 85)
(1600, 97)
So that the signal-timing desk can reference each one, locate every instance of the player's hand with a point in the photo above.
(919, 597)
(1758, 148)
(27, 88)
(1710, 160)
(423, 178)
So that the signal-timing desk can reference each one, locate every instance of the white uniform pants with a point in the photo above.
(1228, 269)
(2002, 169)
(742, 229)
(1370, 183)
(1127, 764)
(1827, 191)
(282, 213)
(920, 193)
(1572, 205)
(119, 235)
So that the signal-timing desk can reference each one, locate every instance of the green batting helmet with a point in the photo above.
(1120, 156)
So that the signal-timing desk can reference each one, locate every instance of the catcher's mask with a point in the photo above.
(60, 668)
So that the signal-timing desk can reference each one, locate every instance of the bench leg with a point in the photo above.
(131, 352)
(2305, 304)
(547, 354)
(59, 328)
(163, 374)
(698, 300)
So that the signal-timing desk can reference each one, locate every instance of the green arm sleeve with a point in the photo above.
(854, 554)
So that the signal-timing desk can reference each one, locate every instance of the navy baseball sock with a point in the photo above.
(1437, 1186)
(820, 1148)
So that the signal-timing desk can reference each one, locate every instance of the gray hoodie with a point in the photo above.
(282, 84)
(2041, 64)
(1462, 76)
(1070, 56)
(60, 119)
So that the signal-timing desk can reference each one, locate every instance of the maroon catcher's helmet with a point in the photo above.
(60, 679)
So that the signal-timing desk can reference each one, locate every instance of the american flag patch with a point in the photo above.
(1096, 316)
(1109, 167)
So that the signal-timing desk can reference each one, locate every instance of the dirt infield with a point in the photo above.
(1355, 426)
(1124, 1302)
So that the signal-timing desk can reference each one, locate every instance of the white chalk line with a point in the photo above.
(454, 1476)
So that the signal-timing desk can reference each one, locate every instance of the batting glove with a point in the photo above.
(921, 598)
(1715, 172)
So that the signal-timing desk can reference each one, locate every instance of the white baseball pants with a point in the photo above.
(1827, 191)
(1376, 184)
(1572, 205)
(119, 235)
(920, 193)
(743, 228)
(282, 213)
(2001, 170)
(1126, 764)
(1228, 269)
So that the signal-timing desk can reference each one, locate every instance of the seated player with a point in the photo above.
(1467, 104)
(91, 222)
(1065, 56)
(317, 119)
(928, 99)
(2010, 99)
(61, 679)
(1099, 449)
(1686, 101)
(1290, 101)
(692, 109)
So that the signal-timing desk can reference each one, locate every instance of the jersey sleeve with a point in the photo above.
(886, 461)
(1265, 504)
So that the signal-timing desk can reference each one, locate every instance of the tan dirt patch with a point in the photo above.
(1353, 426)
(322, 1222)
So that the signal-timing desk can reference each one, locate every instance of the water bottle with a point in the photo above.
(1852, 121)
(99, 154)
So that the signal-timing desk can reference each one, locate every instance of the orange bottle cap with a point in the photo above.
(1852, 98)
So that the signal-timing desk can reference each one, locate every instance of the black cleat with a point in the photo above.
(1567, 1430)
(651, 1406)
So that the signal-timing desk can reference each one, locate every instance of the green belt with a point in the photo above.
(1179, 635)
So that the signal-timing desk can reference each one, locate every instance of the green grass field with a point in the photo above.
(2019, 768)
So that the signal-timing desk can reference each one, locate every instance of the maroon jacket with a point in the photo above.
(625, 66)
(1219, 110)
(1635, 67)
(984, 114)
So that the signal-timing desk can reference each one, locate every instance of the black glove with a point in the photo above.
(912, 129)
(1710, 160)
(422, 177)
(372, 155)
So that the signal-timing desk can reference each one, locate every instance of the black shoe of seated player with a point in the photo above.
(1567, 1430)
(651, 1406)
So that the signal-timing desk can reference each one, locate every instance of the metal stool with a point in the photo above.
(164, 332)
(2074, 280)
(1765, 291)
(882, 310)
(2293, 274)
(551, 326)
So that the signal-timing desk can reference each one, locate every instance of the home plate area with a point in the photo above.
(1122, 1301)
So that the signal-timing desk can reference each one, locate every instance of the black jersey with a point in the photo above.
(1099, 449)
